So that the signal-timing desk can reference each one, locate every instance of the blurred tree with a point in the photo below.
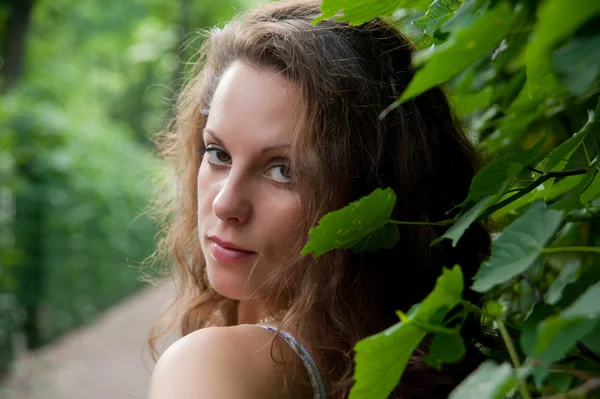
(13, 41)
(83, 83)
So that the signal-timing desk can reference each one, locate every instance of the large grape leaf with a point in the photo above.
(518, 247)
(489, 381)
(464, 47)
(361, 225)
(381, 358)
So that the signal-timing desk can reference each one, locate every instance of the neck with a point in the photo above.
(252, 311)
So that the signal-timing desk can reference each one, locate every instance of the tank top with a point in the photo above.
(311, 368)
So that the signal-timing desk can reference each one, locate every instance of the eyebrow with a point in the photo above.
(264, 150)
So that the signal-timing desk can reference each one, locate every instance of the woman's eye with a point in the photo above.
(217, 156)
(281, 173)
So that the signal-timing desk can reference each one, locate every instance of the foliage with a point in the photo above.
(392, 348)
(524, 78)
(370, 221)
(75, 161)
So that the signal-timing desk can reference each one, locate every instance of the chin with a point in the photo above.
(227, 282)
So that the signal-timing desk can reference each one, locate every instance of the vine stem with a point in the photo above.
(581, 391)
(559, 368)
(571, 249)
(575, 373)
(514, 357)
(536, 183)
(442, 223)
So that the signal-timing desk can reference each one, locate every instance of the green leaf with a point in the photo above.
(560, 155)
(489, 381)
(515, 122)
(437, 14)
(465, 16)
(464, 104)
(518, 247)
(464, 47)
(527, 299)
(540, 193)
(529, 327)
(445, 348)
(592, 340)
(573, 199)
(488, 187)
(592, 191)
(567, 275)
(464, 220)
(362, 224)
(381, 358)
(557, 20)
(577, 64)
(494, 177)
(359, 11)
(558, 334)
(561, 382)
(587, 305)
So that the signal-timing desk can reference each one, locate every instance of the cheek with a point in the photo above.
(203, 191)
(282, 220)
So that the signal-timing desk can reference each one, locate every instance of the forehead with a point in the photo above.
(255, 102)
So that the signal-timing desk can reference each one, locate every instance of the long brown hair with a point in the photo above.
(347, 76)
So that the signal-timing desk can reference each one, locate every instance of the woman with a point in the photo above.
(278, 126)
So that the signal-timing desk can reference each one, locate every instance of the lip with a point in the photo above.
(228, 252)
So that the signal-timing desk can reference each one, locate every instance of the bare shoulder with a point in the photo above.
(219, 362)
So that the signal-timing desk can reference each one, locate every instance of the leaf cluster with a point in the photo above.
(523, 76)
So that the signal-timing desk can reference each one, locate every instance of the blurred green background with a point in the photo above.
(83, 87)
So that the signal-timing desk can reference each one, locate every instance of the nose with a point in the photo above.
(232, 203)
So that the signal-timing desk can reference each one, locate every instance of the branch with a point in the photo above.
(577, 219)
(589, 354)
(582, 391)
(559, 368)
(534, 170)
(441, 223)
(571, 249)
(533, 185)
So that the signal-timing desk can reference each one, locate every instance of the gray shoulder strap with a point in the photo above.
(311, 368)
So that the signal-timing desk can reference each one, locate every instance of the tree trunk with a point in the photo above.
(13, 50)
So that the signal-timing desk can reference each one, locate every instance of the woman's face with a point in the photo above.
(248, 207)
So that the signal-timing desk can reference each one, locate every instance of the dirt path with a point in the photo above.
(100, 361)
